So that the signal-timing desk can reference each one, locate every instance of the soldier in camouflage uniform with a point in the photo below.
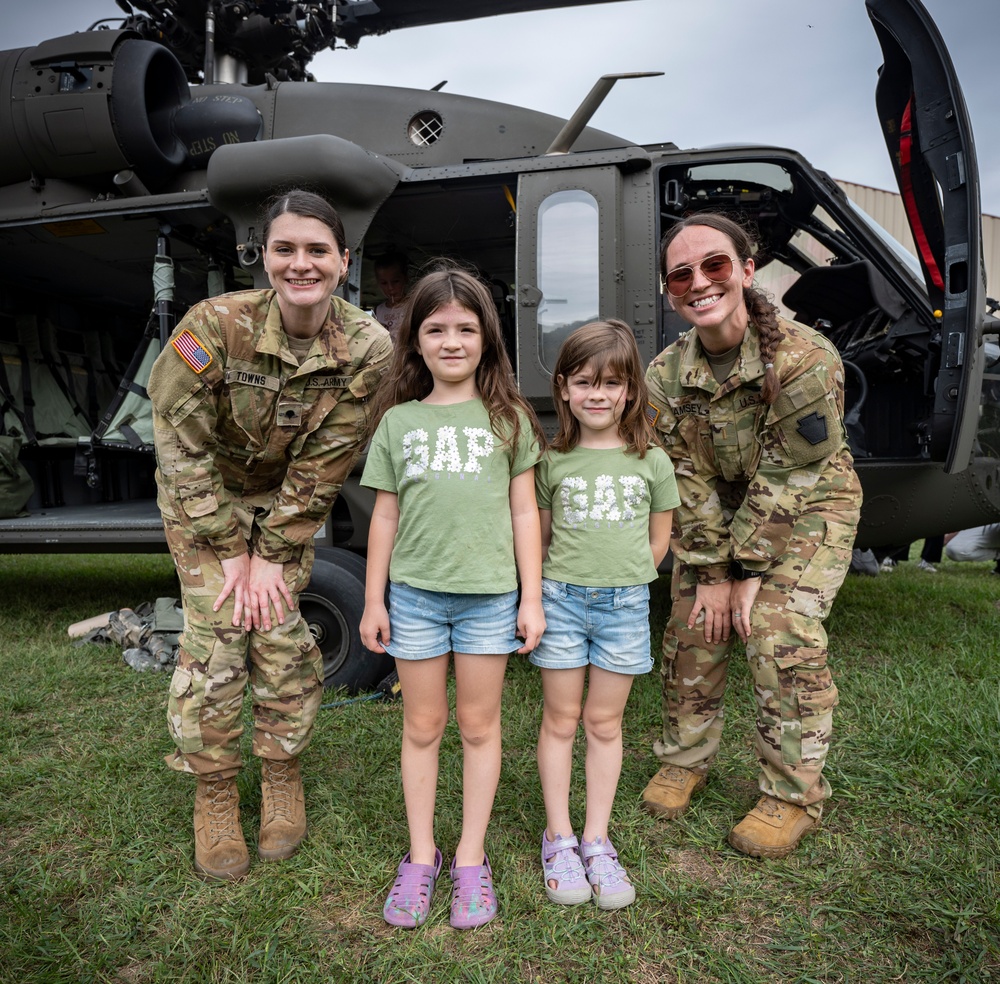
(260, 407)
(750, 408)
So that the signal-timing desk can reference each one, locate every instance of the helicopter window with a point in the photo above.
(425, 128)
(568, 268)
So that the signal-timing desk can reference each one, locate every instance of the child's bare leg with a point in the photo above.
(424, 686)
(563, 693)
(478, 688)
(607, 694)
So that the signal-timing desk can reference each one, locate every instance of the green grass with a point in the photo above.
(901, 884)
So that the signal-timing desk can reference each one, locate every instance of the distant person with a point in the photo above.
(930, 555)
(977, 544)
(750, 408)
(454, 524)
(605, 494)
(391, 276)
(259, 403)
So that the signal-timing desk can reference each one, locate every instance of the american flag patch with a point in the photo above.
(192, 351)
(652, 414)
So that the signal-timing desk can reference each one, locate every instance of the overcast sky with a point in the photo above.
(794, 73)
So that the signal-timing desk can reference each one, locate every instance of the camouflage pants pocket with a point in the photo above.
(184, 713)
(807, 698)
(817, 587)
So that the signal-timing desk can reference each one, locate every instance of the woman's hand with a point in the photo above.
(267, 588)
(375, 627)
(714, 600)
(741, 599)
(236, 571)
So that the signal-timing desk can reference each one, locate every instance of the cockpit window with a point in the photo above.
(568, 268)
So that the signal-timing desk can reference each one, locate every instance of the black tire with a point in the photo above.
(347, 559)
(332, 605)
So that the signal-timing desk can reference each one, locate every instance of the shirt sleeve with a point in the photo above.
(704, 535)
(379, 472)
(663, 491)
(802, 431)
(543, 490)
(185, 412)
(318, 471)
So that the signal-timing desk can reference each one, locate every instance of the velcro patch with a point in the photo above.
(652, 414)
(812, 427)
(329, 382)
(192, 351)
(246, 378)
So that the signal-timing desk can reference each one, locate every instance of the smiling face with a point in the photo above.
(304, 264)
(450, 341)
(716, 310)
(597, 404)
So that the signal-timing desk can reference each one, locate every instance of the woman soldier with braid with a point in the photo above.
(750, 408)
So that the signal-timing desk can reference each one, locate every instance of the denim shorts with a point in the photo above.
(424, 624)
(603, 627)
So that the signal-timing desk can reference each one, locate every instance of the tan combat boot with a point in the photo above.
(669, 792)
(282, 809)
(772, 829)
(219, 849)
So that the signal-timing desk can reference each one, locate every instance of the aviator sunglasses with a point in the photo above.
(717, 268)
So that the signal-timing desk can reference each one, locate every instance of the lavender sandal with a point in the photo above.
(561, 864)
(409, 900)
(608, 879)
(473, 901)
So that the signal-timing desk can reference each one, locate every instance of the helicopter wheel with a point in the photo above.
(332, 605)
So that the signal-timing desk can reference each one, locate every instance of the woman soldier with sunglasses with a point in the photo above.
(750, 408)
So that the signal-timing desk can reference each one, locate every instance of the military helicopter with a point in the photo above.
(136, 160)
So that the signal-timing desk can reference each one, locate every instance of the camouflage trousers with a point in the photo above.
(787, 653)
(217, 661)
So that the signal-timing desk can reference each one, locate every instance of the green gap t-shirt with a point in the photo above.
(452, 476)
(601, 501)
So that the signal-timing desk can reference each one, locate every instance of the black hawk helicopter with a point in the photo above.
(135, 161)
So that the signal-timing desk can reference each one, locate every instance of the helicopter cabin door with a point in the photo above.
(929, 137)
(568, 236)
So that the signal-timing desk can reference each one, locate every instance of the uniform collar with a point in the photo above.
(696, 372)
(331, 340)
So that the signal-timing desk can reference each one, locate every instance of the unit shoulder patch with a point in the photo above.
(813, 427)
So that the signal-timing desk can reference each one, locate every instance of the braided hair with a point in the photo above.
(762, 313)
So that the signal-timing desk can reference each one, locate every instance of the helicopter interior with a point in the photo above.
(822, 271)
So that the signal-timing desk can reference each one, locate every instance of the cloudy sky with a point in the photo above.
(794, 73)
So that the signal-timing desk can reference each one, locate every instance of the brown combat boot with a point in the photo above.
(669, 792)
(220, 852)
(282, 809)
(772, 829)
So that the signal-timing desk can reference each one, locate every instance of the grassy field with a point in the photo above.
(901, 884)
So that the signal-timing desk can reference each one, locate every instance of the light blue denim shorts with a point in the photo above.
(604, 627)
(424, 624)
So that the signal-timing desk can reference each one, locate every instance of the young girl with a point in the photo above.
(452, 461)
(390, 275)
(606, 494)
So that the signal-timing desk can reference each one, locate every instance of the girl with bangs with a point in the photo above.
(606, 494)
(455, 526)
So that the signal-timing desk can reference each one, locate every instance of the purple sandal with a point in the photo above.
(409, 900)
(473, 901)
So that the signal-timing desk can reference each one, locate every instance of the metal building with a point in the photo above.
(886, 208)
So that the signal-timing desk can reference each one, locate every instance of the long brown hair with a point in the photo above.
(763, 314)
(409, 378)
(606, 348)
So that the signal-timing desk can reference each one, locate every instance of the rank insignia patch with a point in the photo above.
(192, 351)
(812, 427)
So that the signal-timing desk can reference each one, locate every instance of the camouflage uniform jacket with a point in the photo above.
(236, 417)
(744, 470)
